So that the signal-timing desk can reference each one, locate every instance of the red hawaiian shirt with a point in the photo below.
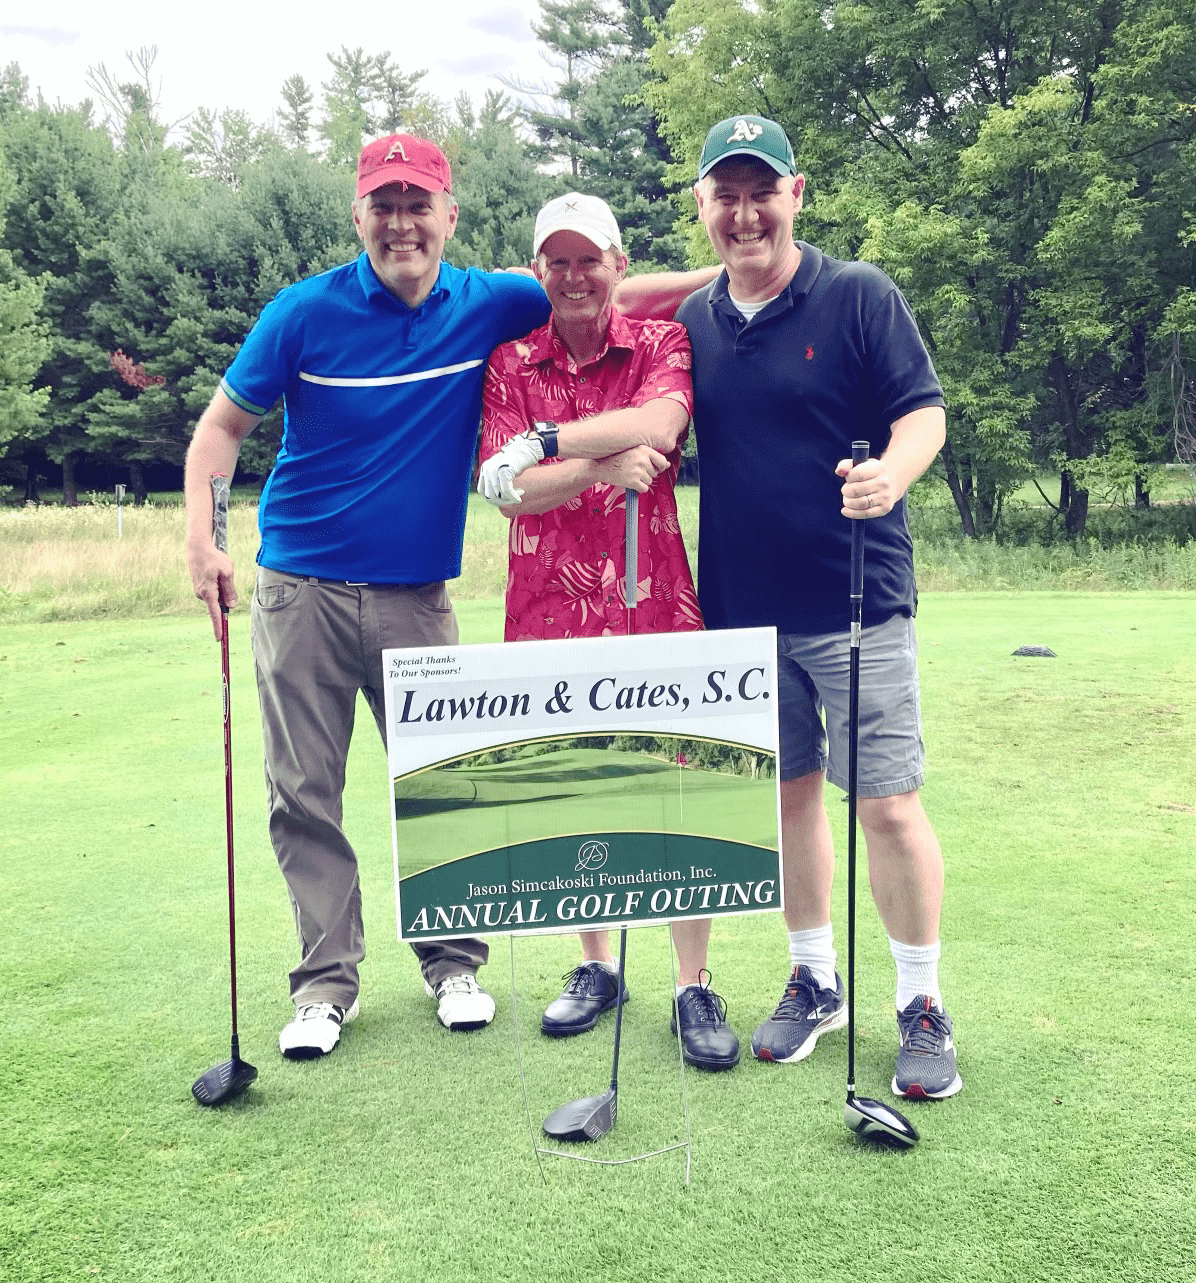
(567, 566)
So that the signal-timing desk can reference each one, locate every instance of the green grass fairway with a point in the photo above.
(1064, 794)
(447, 813)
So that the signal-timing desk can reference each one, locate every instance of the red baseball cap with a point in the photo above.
(403, 158)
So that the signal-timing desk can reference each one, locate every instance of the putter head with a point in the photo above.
(874, 1121)
(584, 1119)
(224, 1081)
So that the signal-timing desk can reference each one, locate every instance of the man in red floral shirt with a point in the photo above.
(582, 409)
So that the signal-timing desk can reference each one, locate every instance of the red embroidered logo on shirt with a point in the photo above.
(810, 353)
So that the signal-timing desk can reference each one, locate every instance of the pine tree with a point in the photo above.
(222, 144)
(294, 121)
(497, 187)
(581, 36)
(347, 96)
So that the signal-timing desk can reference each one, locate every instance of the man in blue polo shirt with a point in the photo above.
(380, 364)
(795, 355)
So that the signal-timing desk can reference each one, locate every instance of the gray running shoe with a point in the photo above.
(926, 1067)
(803, 1015)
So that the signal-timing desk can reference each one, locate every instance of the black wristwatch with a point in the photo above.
(546, 431)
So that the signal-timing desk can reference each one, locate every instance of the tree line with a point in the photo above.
(1027, 176)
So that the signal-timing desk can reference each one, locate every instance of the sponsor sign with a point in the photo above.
(602, 782)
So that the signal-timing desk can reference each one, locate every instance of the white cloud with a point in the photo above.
(510, 21)
(57, 37)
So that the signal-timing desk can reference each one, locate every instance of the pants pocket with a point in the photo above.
(275, 591)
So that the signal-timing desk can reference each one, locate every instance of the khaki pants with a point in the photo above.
(316, 643)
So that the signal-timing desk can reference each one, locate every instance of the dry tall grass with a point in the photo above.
(67, 563)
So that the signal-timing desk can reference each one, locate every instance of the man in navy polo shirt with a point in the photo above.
(380, 364)
(795, 355)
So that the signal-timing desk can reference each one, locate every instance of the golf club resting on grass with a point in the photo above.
(228, 1079)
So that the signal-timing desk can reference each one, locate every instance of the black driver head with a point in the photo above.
(584, 1119)
(224, 1081)
(874, 1121)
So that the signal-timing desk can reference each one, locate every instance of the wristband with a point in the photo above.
(545, 430)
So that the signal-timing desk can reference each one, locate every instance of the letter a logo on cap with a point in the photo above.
(747, 135)
(745, 132)
(396, 148)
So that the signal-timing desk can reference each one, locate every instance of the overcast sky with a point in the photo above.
(237, 53)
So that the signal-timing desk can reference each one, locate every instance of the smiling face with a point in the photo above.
(748, 211)
(404, 230)
(579, 279)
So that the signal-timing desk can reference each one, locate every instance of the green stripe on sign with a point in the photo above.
(589, 880)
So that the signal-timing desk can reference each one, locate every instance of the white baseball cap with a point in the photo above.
(589, 216)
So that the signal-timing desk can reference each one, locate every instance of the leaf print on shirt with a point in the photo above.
(579, 578)
(523, 542)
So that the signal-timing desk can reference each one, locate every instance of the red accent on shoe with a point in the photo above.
(765, 1054)
(927, 1005)
(914, 1092)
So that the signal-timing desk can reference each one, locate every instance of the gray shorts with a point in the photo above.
(812, 680)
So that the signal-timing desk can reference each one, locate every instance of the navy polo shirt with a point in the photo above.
(777, 402)
(382, 404)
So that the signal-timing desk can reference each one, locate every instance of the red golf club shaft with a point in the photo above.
(220, 489)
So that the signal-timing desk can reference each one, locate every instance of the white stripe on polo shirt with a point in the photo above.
(389, 379)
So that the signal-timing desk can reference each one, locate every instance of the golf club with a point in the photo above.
(593, 1116)
(869, 1119)
(229, 1078)
(631, 552)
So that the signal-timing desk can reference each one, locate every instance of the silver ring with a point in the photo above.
(869, 497)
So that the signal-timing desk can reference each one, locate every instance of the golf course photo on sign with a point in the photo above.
(603, 782)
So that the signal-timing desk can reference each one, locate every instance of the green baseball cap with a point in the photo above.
(748, 136)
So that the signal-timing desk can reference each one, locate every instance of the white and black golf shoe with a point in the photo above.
(315, 1030)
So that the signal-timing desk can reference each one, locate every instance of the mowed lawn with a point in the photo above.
(448, 813)
(1065, 796)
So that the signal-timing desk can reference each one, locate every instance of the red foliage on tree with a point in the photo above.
(134, 374)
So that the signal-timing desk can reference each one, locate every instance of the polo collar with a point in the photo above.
(377, 294)
(545, 344)
(798, 287)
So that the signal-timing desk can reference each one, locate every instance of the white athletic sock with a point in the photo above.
(917, 971)
(612, 967)
(815, 948)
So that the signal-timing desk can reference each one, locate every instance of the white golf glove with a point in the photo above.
(496, 477)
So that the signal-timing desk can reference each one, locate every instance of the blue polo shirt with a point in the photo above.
(382, 404)
(777, 402)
